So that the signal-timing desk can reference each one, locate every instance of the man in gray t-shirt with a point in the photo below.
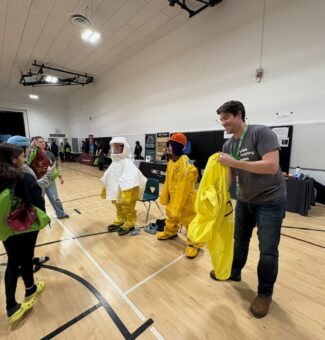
(257, 141)
(253, 155)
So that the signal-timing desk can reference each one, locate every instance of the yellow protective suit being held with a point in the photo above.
(214, 220)
(178, 195)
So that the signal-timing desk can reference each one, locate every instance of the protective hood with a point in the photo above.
(126, 150)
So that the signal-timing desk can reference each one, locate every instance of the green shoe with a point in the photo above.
(40, 285)
(24, 307)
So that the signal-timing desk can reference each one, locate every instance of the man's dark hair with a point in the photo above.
(233, 107)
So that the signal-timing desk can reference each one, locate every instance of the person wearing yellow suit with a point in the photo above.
(124, 184)
(178, 194)
(214, 220)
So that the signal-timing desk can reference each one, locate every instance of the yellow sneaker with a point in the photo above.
(24, 307)
(40, 285)
(191, 252)
(164, 236)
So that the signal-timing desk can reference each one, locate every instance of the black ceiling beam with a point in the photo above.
(183, 5)
(59, 70)
(37, 78)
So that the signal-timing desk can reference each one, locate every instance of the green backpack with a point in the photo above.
(32, 155)
(8, 202)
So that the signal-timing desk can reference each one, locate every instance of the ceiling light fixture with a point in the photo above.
(51, 79)
(90, 36)
(39, 76)
(33, 96)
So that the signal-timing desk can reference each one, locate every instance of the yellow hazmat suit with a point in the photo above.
(214, 220)
(178, 195)
(126, 215)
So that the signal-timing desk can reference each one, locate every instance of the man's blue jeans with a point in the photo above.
(268, 217)
(53, 197)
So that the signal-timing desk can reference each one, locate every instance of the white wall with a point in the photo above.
(43, 115)
(178, 82)
(307, 153)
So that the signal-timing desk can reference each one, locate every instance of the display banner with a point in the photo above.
(150, 147)
(162, 139)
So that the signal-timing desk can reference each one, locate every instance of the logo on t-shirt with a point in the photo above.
(244, 154)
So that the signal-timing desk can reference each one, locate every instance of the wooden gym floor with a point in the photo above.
(103, 286)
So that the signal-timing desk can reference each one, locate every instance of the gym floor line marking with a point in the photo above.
(299, 239)
(102, 303)
(75, 199)
(88, 211)
(93, 205)
(66, 239)
(80, 198)
(84, 212)
(106, 232)
(84, 172)
(135, 309)
(303, 228)
(104, 205)
(71, 322)
(68, 179)
(153, 275)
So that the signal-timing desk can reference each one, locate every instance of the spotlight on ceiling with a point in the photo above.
(90, 36)
(33, 96)
(37, 76)
(51, 79)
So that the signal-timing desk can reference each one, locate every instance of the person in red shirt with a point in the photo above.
(39, 162)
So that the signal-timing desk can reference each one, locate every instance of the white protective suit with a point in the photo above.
(124, 184)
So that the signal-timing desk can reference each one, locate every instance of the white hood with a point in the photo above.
(126, 150)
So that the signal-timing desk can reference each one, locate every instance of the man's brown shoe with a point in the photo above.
(260, 306)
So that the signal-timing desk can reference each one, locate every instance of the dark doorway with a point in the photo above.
(12, 123)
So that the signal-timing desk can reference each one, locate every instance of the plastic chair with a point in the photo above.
(151, 194)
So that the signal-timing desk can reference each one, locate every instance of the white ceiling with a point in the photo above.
(39, 30)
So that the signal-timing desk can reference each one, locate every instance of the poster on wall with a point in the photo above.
(282, 134)
(162, 139)
(150, 147)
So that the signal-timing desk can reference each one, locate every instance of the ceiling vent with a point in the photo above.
(79, 20)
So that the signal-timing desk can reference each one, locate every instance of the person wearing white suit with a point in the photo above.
(124, 184)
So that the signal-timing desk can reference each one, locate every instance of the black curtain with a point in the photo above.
(12, 123)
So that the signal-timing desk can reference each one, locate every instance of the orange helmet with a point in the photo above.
(178, 137)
